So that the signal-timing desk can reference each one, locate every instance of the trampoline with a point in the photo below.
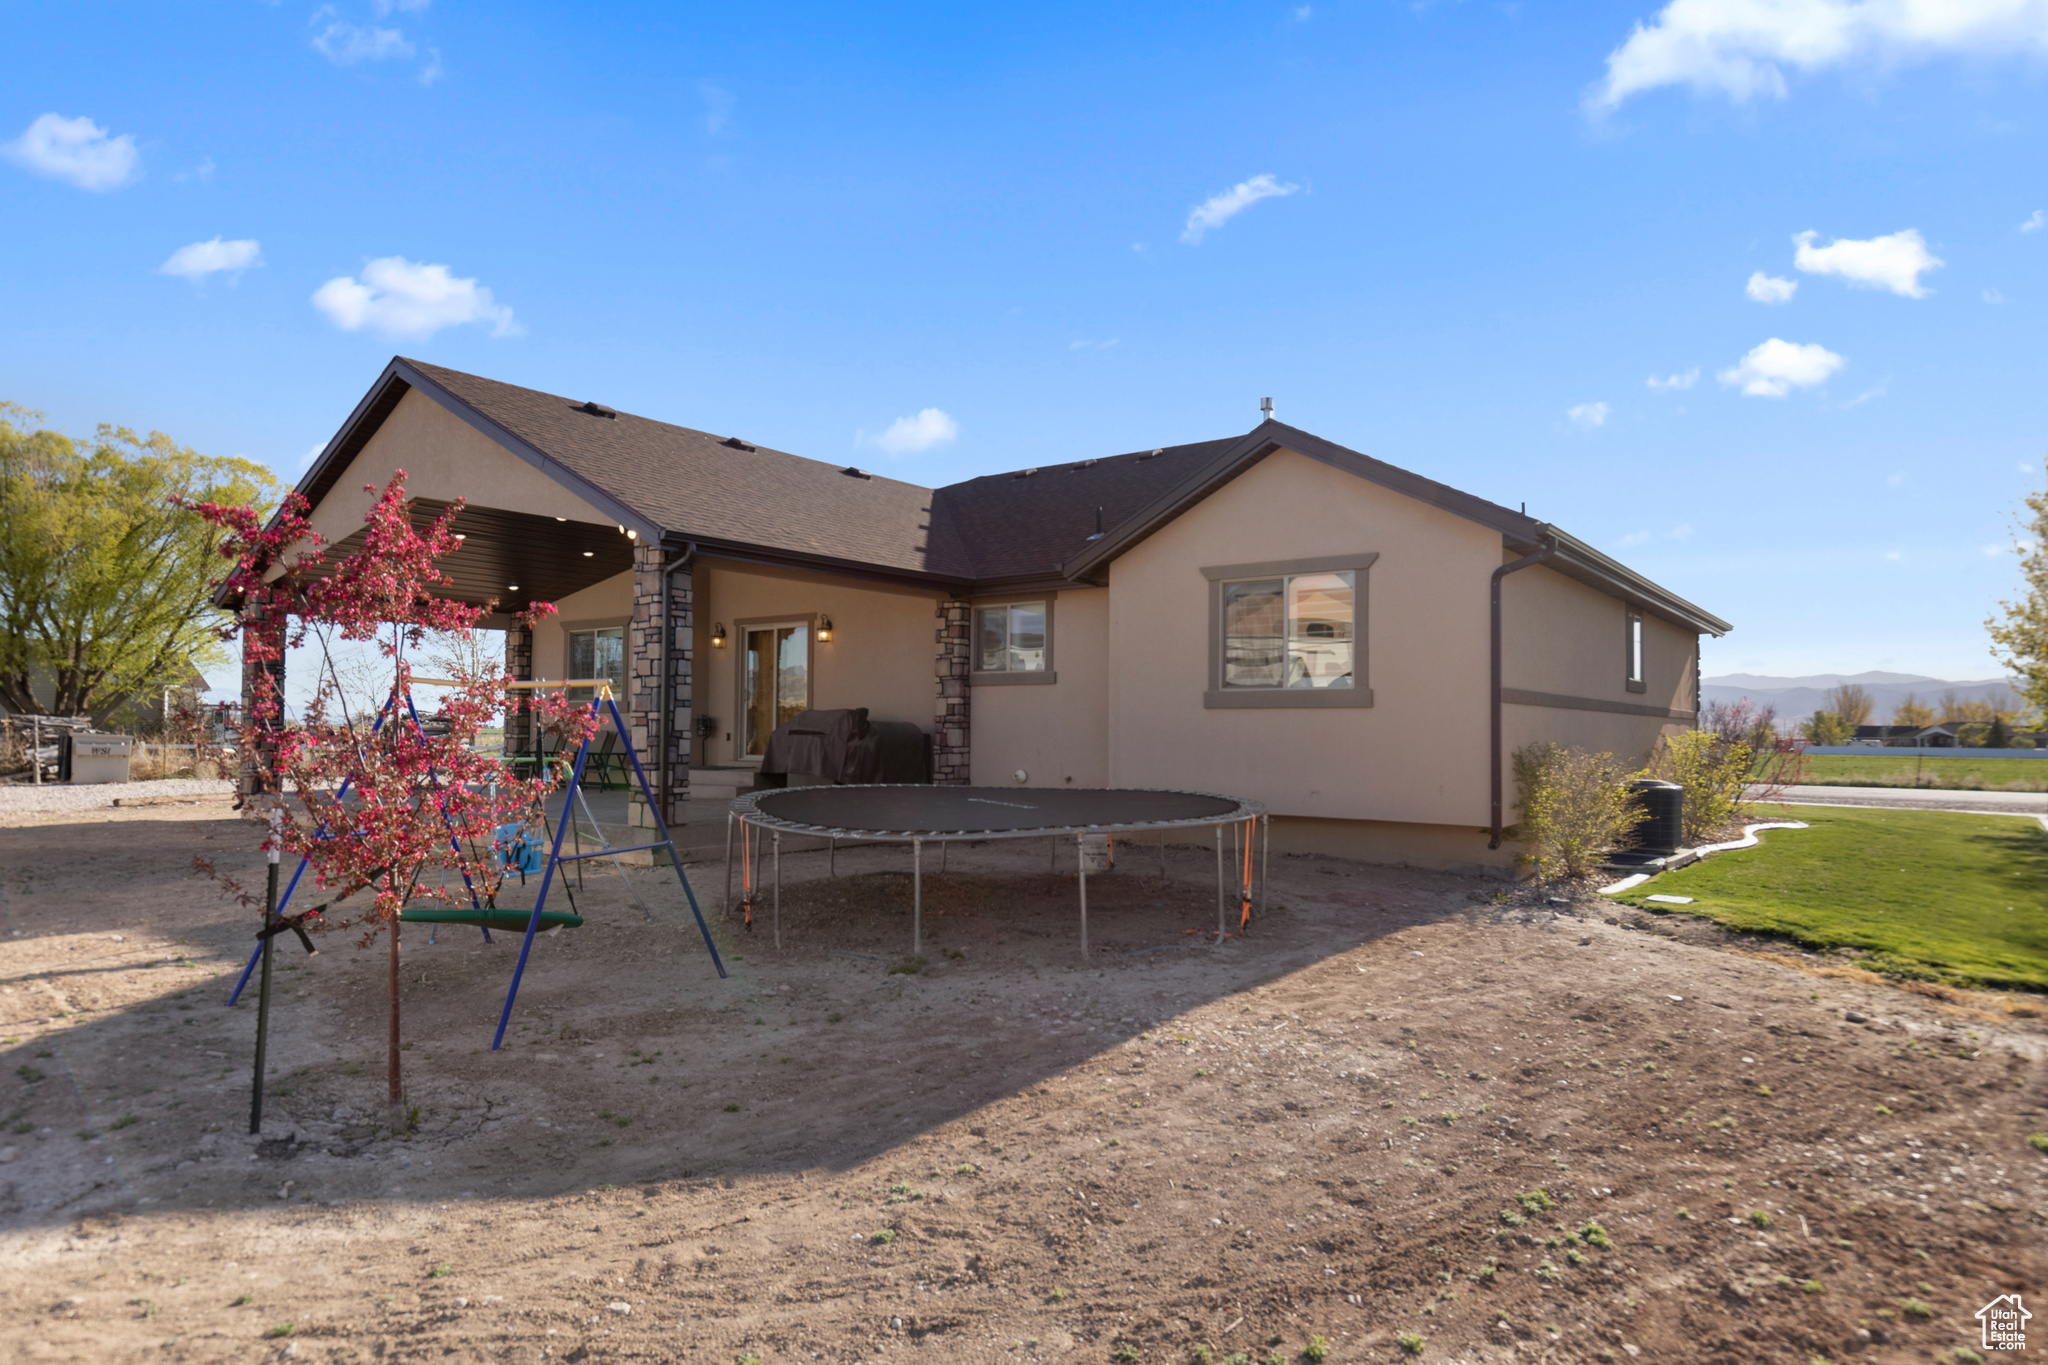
(921, 814)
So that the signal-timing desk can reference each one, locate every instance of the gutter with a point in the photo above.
(1549, 549)
(662, 693)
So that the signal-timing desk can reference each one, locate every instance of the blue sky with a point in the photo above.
(946, 241)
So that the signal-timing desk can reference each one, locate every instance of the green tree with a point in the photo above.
(1825, 728)
(104, 586)
(2020, 639)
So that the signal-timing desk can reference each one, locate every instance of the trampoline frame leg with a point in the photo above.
(832, 859)
(778, 890)
(1081, 862)
(1220, 922)
(916, 897)
(1265, 860)
(1162, 855)
(725, 906)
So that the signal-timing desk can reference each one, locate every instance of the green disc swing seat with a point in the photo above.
(514, 920)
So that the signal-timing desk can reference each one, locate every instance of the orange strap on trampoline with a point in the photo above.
(1244, 893)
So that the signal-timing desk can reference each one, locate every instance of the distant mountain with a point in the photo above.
(1795, 697)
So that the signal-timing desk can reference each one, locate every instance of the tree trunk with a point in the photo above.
(397, 1090)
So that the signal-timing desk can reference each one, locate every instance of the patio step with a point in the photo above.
(719, 784)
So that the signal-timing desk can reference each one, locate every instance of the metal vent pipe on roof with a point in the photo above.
(1265, 409)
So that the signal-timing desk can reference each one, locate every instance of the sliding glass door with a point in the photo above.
(775, 682)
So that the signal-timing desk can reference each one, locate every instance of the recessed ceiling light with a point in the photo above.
(511, 587)
(561, 518)
(588, 553)
(460, 536)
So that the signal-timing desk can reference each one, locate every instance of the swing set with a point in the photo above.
(488, 916)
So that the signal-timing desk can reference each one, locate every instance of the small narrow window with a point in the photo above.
(1636, 681)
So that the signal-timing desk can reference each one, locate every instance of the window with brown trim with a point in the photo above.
(1288, 633)
(1013, 642)
(1633, 645)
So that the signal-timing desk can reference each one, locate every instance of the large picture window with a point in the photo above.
(1013, 642)
(1289, 633)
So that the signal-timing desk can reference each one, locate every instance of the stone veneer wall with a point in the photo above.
(952, 726)
(519, 710)
(258, 625)
(641, 705)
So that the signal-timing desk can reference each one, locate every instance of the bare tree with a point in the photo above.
(1911, 711)
(1851, 703)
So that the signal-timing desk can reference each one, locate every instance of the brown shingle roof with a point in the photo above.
(699, 486)
(693, 485)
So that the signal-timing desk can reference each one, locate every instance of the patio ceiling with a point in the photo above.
(516, 557)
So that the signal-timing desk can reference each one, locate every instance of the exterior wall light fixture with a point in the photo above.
(718, 636)
(824, 630)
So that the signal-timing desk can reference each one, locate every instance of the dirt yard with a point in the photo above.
(1409, 1108)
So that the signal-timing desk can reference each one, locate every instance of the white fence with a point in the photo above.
(1924, 750)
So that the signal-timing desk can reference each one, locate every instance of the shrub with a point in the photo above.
(1713, 773)
(1574, 809)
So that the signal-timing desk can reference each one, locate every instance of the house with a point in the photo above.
(1268, 614)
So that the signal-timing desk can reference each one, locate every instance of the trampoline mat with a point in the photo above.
(913, 811)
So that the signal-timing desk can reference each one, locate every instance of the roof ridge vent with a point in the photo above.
(853, 473)
(1079, 465)
(1154, 453)
(737, 444)
(1025, 473)
(596, 409)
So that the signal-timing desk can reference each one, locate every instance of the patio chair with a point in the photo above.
(606, 759)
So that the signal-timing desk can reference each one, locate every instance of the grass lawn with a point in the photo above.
(1897, 769)
(1962, 898)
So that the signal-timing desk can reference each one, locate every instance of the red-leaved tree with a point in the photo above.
(379, 804)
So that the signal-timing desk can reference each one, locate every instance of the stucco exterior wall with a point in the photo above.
(443, 457)
(1417, 755)
(1567, 640)
(1058, 733)
(880, 656)
(609, 603)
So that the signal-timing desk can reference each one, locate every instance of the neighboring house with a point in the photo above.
(1881, 735)
(142, 712)
(1270, 614)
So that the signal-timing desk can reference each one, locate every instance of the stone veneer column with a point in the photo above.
(519, 705)
(642, 702)
(952, 726)
(267, 623)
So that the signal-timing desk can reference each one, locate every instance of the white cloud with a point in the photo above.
(306, 460)
(1219, 209)
(1895, 480)
(1302, 13)
(1682, 531)
(203, 172)
(1993, 551)
(2036, 221)
(1992, 296)
(346, 44)
(1735, 47)
(432, 71)
(1675, 381)
(1636, 538)
(386, 6)
(1893, 555)
(1775, 368)
(1770, 289)
(1875, 391)
(1586, 416)
(910, 435)
(1085, 345)
(401, 298)
(75, 150)
(1893, 262)
(197, 261)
